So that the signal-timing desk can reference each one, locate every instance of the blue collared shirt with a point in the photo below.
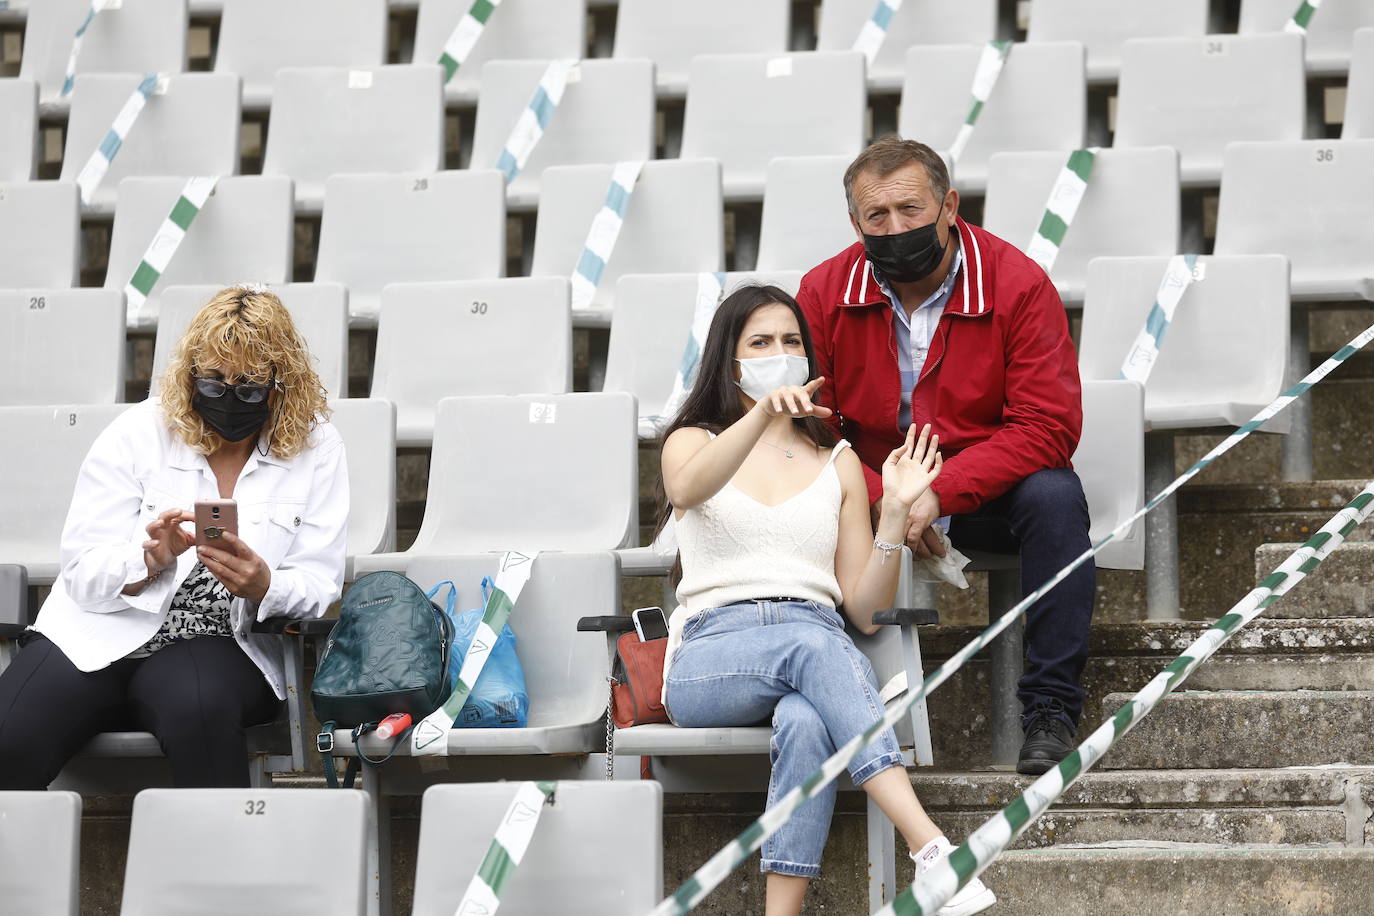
(915, 333)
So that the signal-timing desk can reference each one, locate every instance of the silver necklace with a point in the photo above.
(786, 451)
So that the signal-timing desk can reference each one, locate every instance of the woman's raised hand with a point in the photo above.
(794, 401)
(911, 467)
(167, 540)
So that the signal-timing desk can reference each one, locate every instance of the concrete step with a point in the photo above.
(1223, 729)
(1343, 586)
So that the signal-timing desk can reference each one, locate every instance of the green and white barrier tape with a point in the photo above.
(987, 842)
(1060, 209)
(706, 878)
(79, 37)
(1182, 272)
(165, 243)
(93, 172)
(483, 896)
(1302, 17)
(710, 289)
(464, 37)
(605, 229)
(535, 118)
(874, 30)
(984, 80)
(430, 737)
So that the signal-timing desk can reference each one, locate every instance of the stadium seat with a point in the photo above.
(746, 109)
(566, 478)
(320, 311)
(1110, 461)
(1131, 207)
(328, 121)
(137, 36)
(14, 611)
(259, 37)
(1328, 34)
(672, 223)
(672, 32)
(805, 215)
(966, 22)
(40, 222)
(289, 852)
(368, 427)
(606, 115)
(1102, 25)
(1321, 220)
(19, 142)
(61, 346)
(40, 851)
(1039, 103)
(516, 30)
(476, 337)
(192, 129)
(242, 234)
(1199, 94)
(598, 847)
(380, 229)
(1359, 100)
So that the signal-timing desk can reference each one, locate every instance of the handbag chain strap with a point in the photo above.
(610, 731)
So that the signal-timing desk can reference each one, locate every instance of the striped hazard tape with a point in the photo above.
(464, 37)
(1067, 193)
(535, 118)
(483, 896)
(989, 68)
(1182, 272)
(605, 229)
(710, 289)
(93, 172)
(874, 30)
(164, 245)
(79, 37)
(1302, 17)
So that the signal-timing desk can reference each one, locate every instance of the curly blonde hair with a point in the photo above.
(246, 330)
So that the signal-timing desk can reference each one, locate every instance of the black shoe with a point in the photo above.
(1048, 739)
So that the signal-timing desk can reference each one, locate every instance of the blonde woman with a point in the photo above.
(144, 629)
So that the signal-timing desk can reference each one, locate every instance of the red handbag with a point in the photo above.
(637, 681)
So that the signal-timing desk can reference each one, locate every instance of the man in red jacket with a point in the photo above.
(929, 319)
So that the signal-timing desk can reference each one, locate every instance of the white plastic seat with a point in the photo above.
(40, 222)
(61, 346)
(1199, 94)
(673, 223)
(329, 121)
(1110, 461)
(1038, 103)
(672, 32)
(546, 472)
(320, 311)
(1328, 34)
(1225, 352)
(242, 234)
(805, 214)
(259, 37)
(516, 30)
(368, 428)
(192, 129)
(435, 340)
(138, 36)
(1325, 227)
(1359, 100)
(966, 22)
(1102, 26)
(746, 109)
(40, 454)
(1131, 207)
(293, 852)
(598, 847)
(19, 142)
(40, 851)
(606, 115)
(380, 229)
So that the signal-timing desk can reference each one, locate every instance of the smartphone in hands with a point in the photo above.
(213, 518)
(650, 623)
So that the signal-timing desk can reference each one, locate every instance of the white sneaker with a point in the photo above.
(974, 897)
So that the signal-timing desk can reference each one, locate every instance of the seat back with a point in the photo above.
(14, 598)
(1110, 462)
(1359, 99)
(368, 428)
(597, 848)
(1038, 103)
(671, 33)
(19, 142)
(746, 109)
(805, 216)
(289, 852)
(1226, 350)
(380, 229)
(1200, 94)
(1102, 26)
(61, 346)
(1328, 33)
(1131, 207)
(672, 224)
(967, 22)
(435, 340)
(40, 222)
(565, 478)
(40, 848)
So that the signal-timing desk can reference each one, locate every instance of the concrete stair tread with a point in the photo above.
(1340, 588)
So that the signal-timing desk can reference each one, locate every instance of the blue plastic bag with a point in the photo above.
(499, 698)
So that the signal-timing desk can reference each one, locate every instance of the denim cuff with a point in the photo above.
(793, 869)
(875, 766)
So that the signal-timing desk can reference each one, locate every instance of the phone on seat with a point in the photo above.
(650, 623)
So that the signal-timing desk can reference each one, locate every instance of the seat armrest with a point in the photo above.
(906, 616)
(620, 624)
(295, 626)
(12, 630)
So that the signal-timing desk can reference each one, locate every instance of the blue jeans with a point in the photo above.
(793, 661)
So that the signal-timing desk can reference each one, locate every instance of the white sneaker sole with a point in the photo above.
(976, 904)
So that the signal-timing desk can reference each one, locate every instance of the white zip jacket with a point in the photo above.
(293, 513)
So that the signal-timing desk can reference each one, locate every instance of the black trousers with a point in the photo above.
(196, 696)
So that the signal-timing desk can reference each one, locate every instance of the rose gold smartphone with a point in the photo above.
(213, 518)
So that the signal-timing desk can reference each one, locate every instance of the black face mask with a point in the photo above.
(906, 257)
(230, 418)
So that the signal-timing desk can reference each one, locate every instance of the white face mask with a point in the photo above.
(759, 375)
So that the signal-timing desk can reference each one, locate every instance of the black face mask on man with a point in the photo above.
(230, 418)
(906, 257)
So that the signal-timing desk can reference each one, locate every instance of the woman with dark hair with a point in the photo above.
(774, 536)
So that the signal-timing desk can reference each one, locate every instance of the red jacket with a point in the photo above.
(1000, 383)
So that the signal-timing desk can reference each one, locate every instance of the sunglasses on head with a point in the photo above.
(246, 392)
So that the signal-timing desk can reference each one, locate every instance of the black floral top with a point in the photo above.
(199, 608)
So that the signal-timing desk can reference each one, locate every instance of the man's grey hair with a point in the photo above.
(888, 154)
